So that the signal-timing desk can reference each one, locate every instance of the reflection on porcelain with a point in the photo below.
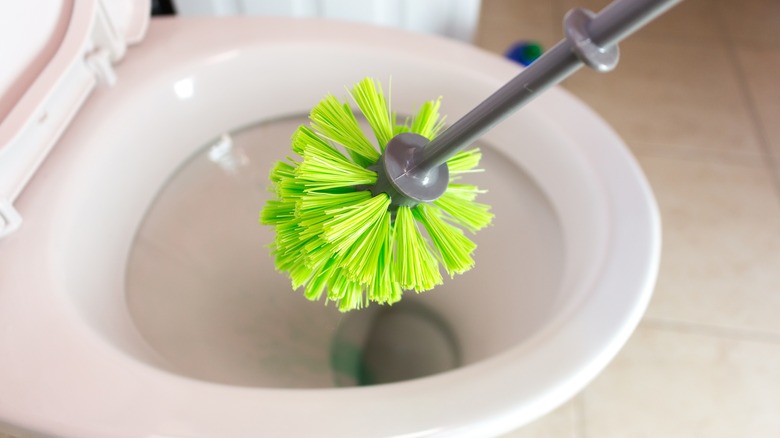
(184, 88)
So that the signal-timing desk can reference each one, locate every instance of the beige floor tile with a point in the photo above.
(720, 262)
(696, 153)
(669, 384)
(689, 20)
(505, 22)
(751, 21)
(563, 6)
(524, 11)
(762, 72)
(677, 100)
(678, 95)
(561, 423)
(497, 35)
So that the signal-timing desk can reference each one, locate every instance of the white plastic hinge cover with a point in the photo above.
(10, 220)
(99, 61)
(107, 45)
(106, 36)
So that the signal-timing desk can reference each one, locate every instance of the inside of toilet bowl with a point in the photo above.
(202, 290)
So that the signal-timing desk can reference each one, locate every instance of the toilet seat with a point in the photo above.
(64, 48)
(73, 366)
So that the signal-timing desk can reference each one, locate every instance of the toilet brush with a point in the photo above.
(346, 223)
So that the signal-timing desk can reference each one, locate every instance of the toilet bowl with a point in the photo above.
(137, 298)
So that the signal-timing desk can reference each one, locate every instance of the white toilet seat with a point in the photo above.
(73, 364)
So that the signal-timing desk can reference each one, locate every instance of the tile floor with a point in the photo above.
(697, 98)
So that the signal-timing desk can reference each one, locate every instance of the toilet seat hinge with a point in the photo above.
(10, 219)
(108, 46)
(99, 61)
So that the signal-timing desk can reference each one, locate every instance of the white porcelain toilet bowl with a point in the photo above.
(551, 301)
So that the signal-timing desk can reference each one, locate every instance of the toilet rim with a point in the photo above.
(176, 404)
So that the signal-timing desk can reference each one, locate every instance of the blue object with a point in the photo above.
(524, 52)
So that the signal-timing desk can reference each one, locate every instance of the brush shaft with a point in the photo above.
(621, 18)
(614, 23)
(551, 68)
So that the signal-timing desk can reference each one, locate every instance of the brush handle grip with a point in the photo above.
(590, 39)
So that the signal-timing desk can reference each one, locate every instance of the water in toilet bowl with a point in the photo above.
(203, 292)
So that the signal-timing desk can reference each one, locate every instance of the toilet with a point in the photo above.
(137, 295)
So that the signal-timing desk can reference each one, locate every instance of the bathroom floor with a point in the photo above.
(697, 98)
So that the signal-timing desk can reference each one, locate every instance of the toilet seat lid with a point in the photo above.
(55, 52)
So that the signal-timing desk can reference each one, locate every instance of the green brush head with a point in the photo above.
(338, 240)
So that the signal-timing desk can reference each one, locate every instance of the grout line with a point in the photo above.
(712, 330)
(578, 417)
(772, 160)
(755, 44)
(685, 152)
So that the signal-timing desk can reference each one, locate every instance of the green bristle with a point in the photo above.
(315, 289)
(289, 189)
(363, 258)
(336, 239)
(301, 137)
(467, 192)
(314, 211)
(400, 128)
(305, 136)
(336, 122)
(370, 99)
(453, 246)
(471, 215)
(464, 162)
(280, 171)
(318, 281)
(353, 298)
(298, 271)
(277, 211)
(300, 274)
(346, 291)
(283, 181)
(355, 221)
(427, 122)
(383, 288)
(324, 168)
(416, 267)
(288, 233)
(288, 249)
(289, 242)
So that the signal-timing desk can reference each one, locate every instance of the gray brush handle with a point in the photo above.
(590, 39)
